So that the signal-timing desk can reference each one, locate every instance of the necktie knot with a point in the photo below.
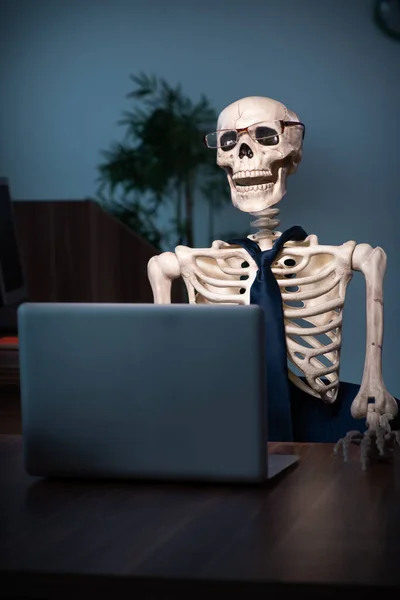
(265, 258)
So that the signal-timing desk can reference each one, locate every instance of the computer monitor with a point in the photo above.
(12, 284)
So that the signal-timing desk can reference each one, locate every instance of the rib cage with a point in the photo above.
(313, 287)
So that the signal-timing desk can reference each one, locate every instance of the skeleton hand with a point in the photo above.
(379, 440)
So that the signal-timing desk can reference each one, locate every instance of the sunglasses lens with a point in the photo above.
(267, 136)
(228, 139)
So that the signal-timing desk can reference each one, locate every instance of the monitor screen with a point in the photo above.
(11, 275)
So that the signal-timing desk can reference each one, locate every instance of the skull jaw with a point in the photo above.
(256, 201)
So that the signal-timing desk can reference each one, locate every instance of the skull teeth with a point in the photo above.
(254, 188)
(252, 179)
(248, 174)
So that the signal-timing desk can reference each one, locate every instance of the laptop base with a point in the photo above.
(277, 463)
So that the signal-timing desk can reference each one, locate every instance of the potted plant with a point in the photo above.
(162, 161)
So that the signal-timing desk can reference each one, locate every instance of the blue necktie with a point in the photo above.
(266, 293)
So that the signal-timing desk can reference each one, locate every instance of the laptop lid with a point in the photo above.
(128, 390)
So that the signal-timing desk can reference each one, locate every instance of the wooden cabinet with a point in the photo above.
(73, 251)
(76, 252)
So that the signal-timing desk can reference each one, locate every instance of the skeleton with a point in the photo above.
(259, 144)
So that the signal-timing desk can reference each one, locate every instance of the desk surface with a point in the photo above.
(323, 522)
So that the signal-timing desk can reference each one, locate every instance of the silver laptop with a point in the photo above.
(145, 392)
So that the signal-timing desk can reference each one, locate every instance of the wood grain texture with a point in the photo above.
(323, 530)
(75, 252)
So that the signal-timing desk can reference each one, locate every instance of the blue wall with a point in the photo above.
(64, 68)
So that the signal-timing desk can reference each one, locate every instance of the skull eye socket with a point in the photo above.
(228, 140)
(266, 136)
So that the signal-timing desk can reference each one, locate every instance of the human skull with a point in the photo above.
(257, 173)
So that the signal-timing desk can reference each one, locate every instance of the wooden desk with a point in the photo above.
(323, 523)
